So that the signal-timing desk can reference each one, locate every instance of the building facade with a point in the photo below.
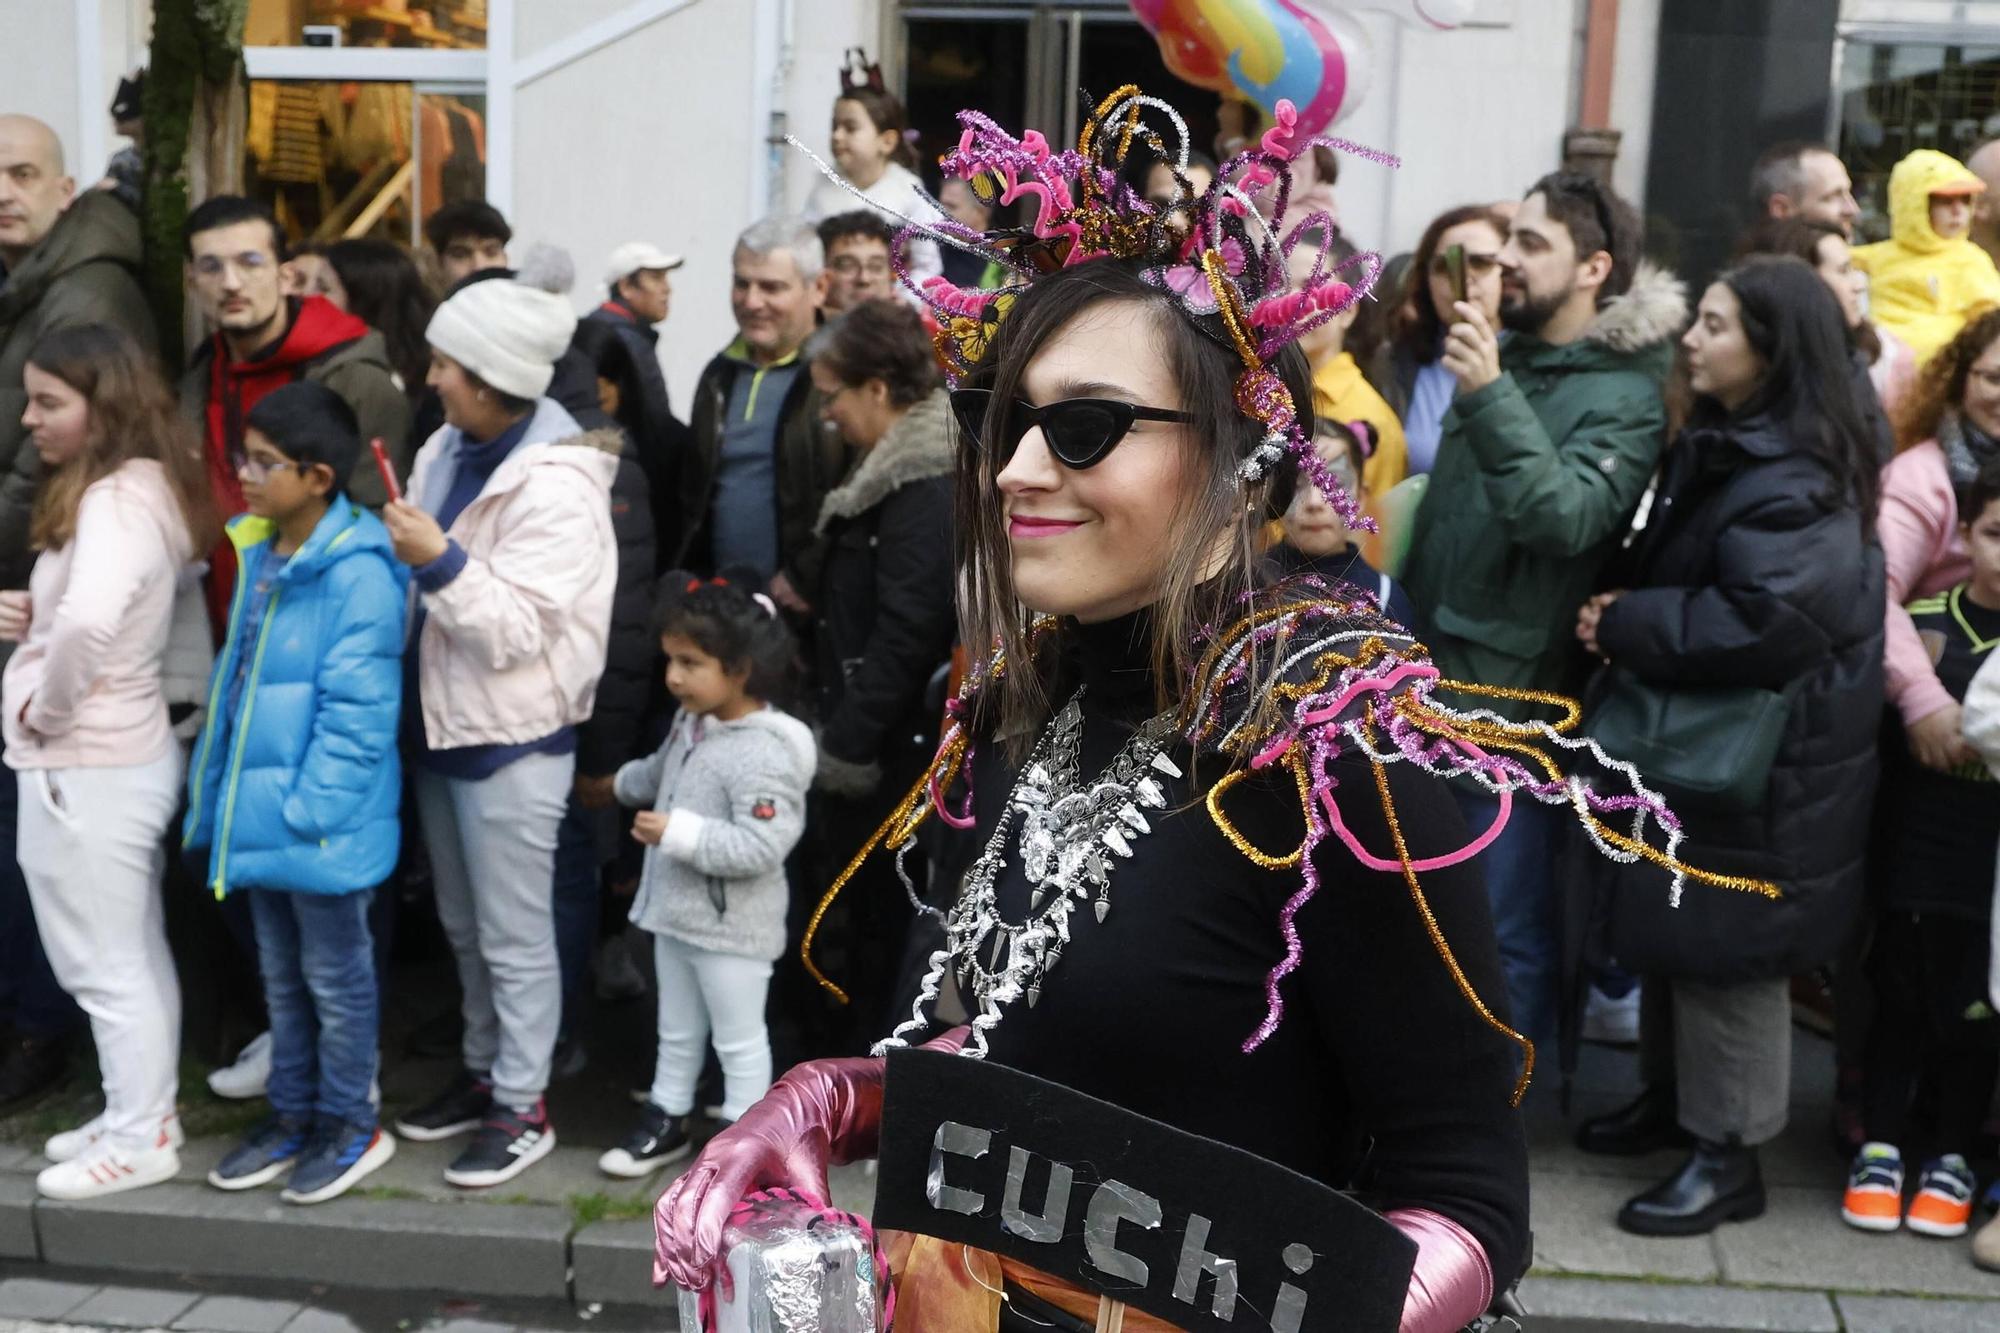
(593, 122)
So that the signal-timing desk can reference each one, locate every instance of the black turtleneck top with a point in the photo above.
(1381, 1079)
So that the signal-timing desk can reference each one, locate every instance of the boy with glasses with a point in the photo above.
(295, 786)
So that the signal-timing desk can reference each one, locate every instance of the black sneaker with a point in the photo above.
(457, 1110)
(336, 1159)
(659, 1139)
(267, 1152)
(507, 1144)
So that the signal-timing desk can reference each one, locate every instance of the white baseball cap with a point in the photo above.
(634, 256)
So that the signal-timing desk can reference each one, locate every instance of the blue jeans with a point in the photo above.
(578, 885)
(319, 985)
(30, 997)
(1527, 915)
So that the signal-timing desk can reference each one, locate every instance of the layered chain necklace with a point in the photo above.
(1071, 837)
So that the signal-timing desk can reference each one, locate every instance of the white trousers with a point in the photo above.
(702, 991)
(90, 847)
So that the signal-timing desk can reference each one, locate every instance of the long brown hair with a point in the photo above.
(1940, 386)
(1192, 591)
(132, 416)
(1414, 326)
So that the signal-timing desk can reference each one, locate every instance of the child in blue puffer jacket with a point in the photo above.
(295, 784)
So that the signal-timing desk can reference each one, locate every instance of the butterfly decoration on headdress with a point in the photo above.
(1217, 249)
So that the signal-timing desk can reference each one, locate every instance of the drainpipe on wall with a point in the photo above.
(1591, 146)
(772, 31)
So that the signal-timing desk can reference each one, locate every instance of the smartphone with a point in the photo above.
(1454, 267)
(382, 466)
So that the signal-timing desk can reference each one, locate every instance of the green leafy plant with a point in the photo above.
(197, 50)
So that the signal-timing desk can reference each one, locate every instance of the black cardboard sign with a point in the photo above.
(1203, 1235)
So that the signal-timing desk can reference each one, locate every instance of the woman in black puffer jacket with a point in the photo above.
(1759, 567)
(883, 620)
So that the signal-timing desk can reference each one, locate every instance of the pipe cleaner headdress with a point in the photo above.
(1216, 250)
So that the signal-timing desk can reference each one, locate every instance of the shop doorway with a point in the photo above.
(1023, 63)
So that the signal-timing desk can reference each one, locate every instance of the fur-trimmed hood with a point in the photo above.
(916, 448)
(1652, 310)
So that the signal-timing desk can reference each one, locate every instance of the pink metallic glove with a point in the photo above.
(822, 1113)
(1453, 1281)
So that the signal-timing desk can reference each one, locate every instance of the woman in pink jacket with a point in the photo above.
(1947, 430)
(507, 529)
(124, 507)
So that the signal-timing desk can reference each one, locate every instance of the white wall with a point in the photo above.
(654, 137)
(1632, 80)
(38, 71)
(41, 76)
(1476, 114)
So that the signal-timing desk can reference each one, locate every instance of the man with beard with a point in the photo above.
(1555, 428)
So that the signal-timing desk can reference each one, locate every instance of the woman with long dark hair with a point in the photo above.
(379, 282)
(1759, 570)
(123, 510)
(1152, 759)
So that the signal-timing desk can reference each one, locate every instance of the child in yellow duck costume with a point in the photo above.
(1928, 276)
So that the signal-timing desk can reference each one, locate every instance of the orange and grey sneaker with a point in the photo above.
(1943, 1206)
(1874, 1198)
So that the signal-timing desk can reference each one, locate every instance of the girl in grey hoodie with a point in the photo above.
(721, 804)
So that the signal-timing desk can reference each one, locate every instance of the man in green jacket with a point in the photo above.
(1554, 433)
(65, 260)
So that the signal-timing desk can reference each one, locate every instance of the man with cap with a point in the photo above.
(640, 294)
(507, 528)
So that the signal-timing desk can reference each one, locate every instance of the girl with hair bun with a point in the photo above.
(871, 147)
(721, 805)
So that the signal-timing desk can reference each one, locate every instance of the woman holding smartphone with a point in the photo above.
(123, 509)
(1414, 380)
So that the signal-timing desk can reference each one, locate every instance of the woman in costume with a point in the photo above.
(1221, 882)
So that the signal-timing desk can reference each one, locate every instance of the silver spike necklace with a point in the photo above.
(1072, 836)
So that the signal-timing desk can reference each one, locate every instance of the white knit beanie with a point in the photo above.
(510, 332)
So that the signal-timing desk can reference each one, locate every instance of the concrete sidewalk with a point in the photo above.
(564, 1235)
(1799, 1267)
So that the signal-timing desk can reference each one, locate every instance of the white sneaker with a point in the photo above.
(245, 1080)
(1611, 1022)
(70, 1144)
(108, 1169)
